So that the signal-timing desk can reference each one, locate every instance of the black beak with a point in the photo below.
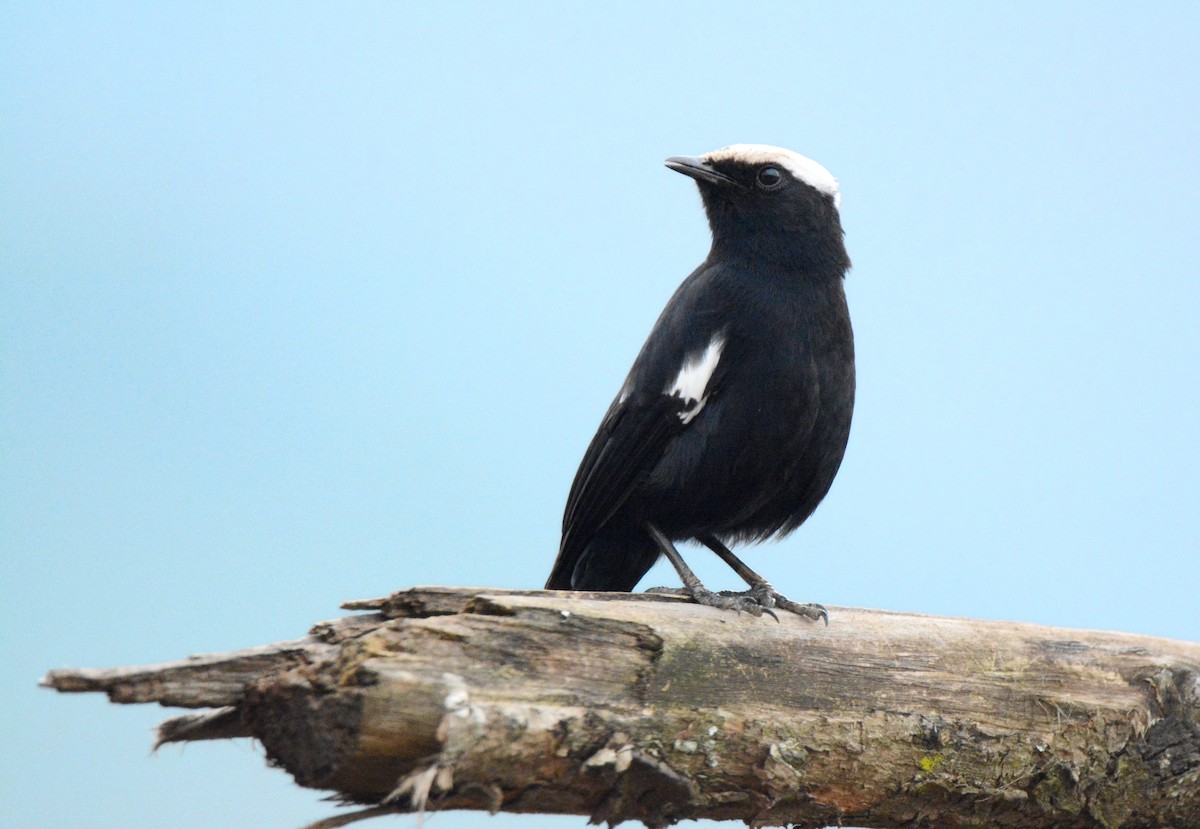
(698, 169)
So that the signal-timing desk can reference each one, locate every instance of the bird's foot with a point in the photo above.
(670, 591)
(758, 600)
(809, 610)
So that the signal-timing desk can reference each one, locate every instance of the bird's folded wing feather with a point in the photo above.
(632, 438)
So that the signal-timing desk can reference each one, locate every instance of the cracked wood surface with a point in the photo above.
(621, 706)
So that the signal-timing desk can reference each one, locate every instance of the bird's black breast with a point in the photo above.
(764, 450)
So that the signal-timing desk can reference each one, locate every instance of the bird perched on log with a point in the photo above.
(734, 418)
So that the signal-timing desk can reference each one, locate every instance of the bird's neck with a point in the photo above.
(816, 256)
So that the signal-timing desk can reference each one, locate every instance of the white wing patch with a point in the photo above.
(691, 384)
(801, 167)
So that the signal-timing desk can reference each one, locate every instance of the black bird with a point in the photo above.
(734, 418)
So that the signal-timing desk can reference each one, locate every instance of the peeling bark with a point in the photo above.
(626, 707)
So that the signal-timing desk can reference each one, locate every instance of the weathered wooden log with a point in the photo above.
(621, 706)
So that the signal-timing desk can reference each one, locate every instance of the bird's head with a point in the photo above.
(768, 202)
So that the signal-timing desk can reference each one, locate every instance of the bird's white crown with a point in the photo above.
(801, 167)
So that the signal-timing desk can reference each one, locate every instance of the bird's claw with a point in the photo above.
(670, 591)
(808, 611)
(740, 601)
(757, 601)
(768, 597)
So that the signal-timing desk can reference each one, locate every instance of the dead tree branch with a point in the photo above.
(627, 707)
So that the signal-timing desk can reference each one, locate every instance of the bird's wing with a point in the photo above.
(631, 439)
(634, 436)
(628, 444)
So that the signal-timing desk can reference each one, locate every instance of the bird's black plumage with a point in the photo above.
(734, 418)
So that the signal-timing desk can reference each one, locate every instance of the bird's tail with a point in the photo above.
(607, 562)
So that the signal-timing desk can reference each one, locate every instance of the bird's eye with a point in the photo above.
(770, 178)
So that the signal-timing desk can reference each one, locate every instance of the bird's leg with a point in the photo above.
(760, 588)
(693, 587)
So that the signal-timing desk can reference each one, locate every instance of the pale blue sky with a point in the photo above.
(309, 302)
